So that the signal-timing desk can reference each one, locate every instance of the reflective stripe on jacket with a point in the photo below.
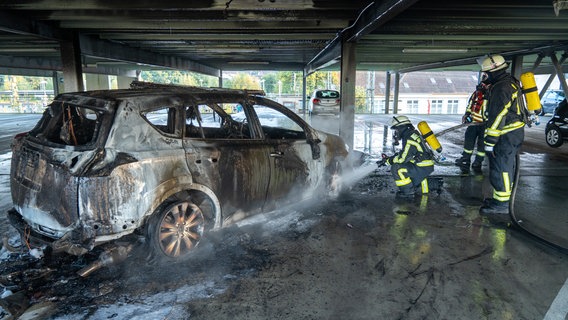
(502, 113)
(414, 151)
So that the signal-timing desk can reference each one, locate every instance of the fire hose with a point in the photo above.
(516, 222)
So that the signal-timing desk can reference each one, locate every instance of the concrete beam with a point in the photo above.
(105, 49)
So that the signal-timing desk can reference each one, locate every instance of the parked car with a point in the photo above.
(324, 102)
(550, 101)
(163, 162)
(556, 130)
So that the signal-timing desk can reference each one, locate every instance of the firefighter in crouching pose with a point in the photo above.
(474, 133)
(414, 163)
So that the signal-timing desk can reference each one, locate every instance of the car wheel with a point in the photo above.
(176, 229)
(554, 137)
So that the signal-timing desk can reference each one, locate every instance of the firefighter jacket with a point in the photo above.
(413, 150)
(477, 104)
(503, 113)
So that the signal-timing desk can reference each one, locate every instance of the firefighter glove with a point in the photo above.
(383, 161)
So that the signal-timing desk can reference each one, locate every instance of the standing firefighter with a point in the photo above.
(474, 133)
(504, 133)
(414, 163)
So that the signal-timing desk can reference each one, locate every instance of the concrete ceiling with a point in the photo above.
(208, 36)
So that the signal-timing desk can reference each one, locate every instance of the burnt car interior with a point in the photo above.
(68, 124)
(205, 121)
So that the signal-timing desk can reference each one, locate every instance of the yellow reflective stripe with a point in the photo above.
(501, 195)
(416, 144)
(424, 186)
(507, 182)
(508, 128)
(504, 195)
(401, 157)
(492, 132)
(481, 154)
(514, 97)
(502, 114)
(476, 118)
(512, 126)
(468, 151)
(403, 180)
(425, 163)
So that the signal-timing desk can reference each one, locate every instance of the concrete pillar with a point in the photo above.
(304, 92)
(387, 92)
(57, 79)
(71, 63)
(348, 77)
(395, 95)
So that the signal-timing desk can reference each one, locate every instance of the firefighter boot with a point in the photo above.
(494, 208)
(435, 184)
(464, 163)
(476, 165)
(406, 192)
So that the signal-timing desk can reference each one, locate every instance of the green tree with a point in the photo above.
(322, 80)
(270, 83)
(360, 100)
(243, 81)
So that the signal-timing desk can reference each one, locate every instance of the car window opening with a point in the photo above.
(70, 125)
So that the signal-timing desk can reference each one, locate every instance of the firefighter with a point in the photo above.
(474, 133)
(414, 163)
(504, 133)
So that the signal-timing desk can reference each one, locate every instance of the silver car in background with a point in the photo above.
(324, 102)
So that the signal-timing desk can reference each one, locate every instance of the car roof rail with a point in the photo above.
(152, 85)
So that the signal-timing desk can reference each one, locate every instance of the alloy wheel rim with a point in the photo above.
(181, 229)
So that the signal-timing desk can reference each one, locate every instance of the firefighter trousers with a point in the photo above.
(502, 164)
(474, 138)
(408, 175)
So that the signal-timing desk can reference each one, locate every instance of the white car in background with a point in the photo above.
(324, 102)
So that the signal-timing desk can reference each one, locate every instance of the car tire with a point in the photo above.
(176, 229)
(554, 136)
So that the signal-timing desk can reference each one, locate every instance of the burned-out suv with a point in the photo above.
(164, 162)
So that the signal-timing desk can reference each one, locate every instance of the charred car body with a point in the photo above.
(163, 162)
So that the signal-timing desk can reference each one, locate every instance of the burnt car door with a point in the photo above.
(224, 153)
(296, 166)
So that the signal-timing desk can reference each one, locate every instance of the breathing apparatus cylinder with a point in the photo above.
(530, 91)
(429, 136)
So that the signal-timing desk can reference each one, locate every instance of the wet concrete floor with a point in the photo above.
(461, 265)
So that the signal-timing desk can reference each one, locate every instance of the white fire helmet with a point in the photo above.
(399, 120)
(493, 63)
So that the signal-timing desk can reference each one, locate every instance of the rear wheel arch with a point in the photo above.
(181, 221)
